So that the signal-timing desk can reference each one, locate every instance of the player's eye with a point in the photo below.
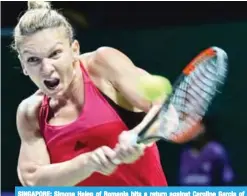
(33, 60)
(55, 54)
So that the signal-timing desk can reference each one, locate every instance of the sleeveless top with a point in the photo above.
(99, 124)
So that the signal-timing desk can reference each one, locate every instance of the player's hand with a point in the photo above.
(126, 150)
(100, 160)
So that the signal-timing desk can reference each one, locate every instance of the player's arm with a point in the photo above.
(120, 71)
(124, 76)
(34, 168)
(116, 68)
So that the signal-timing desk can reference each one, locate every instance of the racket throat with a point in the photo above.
(148, 126)
(148, 140)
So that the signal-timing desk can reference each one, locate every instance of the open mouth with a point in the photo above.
(52, 83)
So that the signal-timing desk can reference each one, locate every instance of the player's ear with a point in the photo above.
(22, 66)
(76, 49)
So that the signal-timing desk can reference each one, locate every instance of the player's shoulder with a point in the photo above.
(100, 55)
(95, 62)
(27, 115)
(30, 105)
(103, 60)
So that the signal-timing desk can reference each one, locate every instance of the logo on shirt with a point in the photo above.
(79, 145)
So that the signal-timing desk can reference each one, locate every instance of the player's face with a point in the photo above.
(48, 59)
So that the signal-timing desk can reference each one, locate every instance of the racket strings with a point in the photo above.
(195, 93)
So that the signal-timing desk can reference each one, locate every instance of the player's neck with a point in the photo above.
(75, 92)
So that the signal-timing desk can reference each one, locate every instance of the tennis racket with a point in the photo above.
(193, 92)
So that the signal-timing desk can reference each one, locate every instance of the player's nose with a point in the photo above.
(47, 66)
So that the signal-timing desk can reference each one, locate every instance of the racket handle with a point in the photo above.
(147, 142)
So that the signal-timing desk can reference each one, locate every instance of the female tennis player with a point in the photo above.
(74, 127)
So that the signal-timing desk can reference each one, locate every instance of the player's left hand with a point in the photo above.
(127, 151)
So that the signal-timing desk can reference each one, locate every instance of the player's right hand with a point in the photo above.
(100, 160)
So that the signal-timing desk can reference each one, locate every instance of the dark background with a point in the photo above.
(161, 37)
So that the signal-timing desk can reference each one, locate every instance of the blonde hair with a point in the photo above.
(39, 16)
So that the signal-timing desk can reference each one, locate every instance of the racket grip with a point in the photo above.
(146, 142)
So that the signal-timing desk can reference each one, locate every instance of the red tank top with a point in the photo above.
(98, 125)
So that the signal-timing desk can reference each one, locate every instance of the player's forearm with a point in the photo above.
(152, 112)
(67, 173)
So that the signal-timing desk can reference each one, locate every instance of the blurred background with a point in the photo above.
(161, 37)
